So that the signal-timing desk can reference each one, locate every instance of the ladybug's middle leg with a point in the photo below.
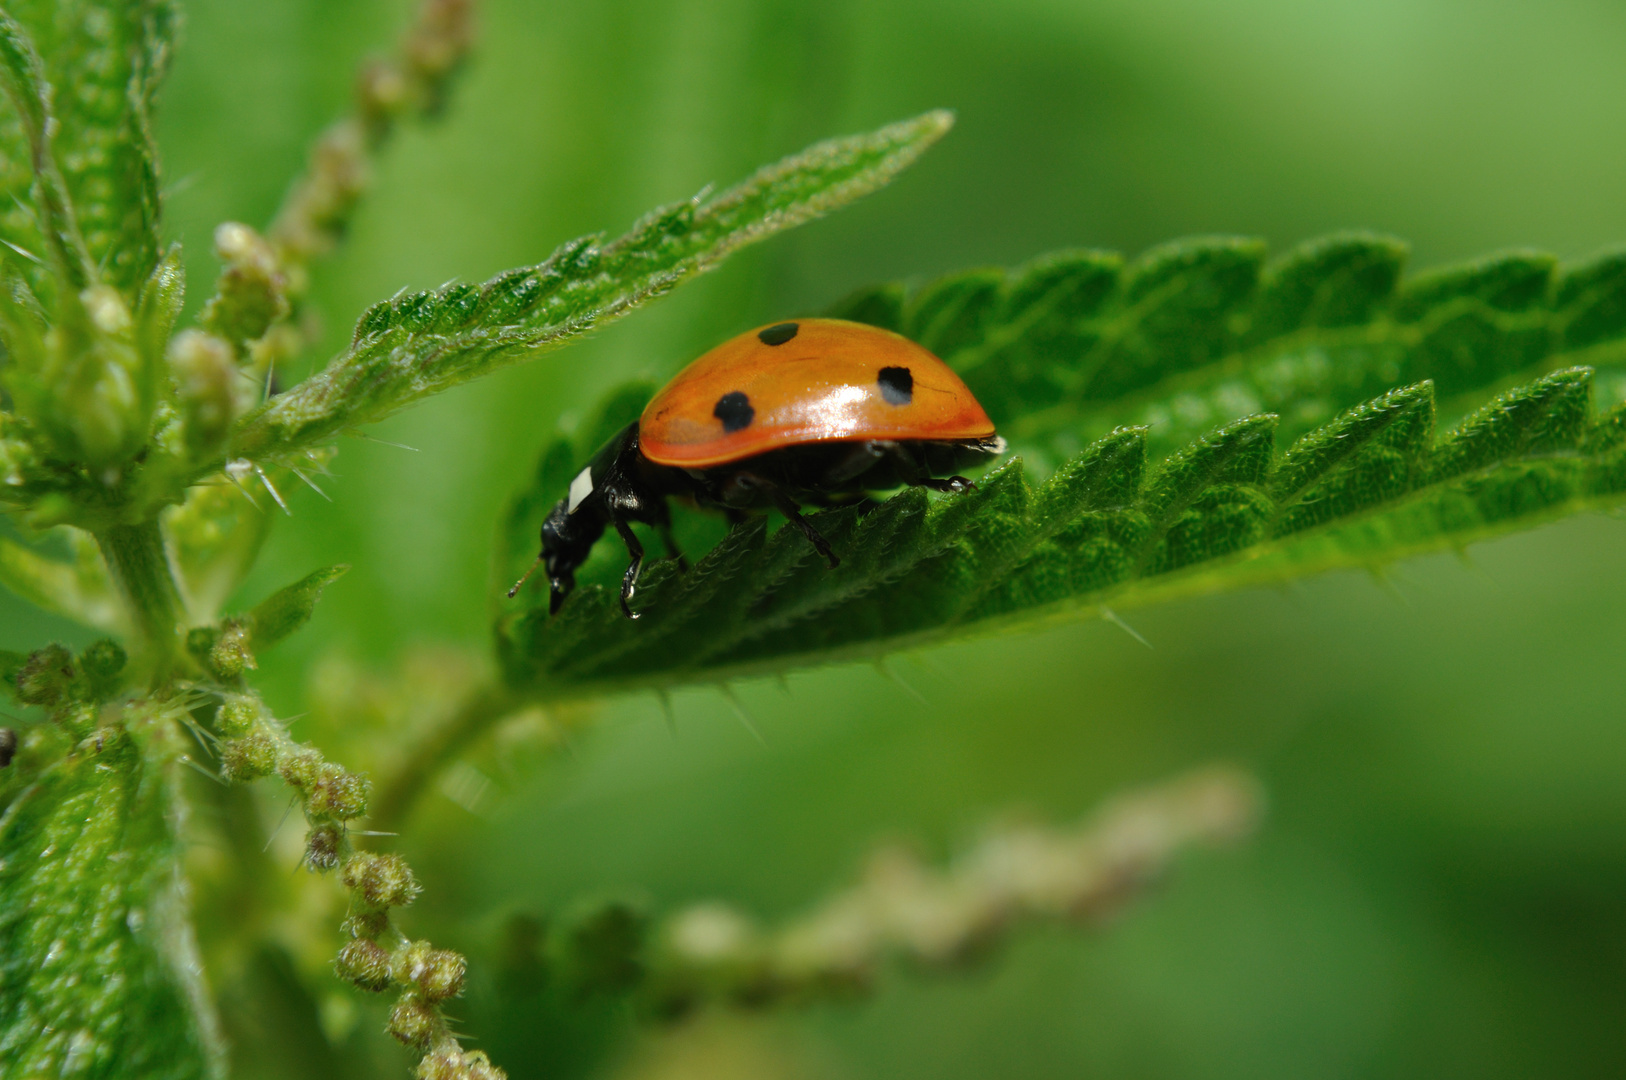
(787, 506)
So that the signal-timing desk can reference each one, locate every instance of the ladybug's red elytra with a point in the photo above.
(811, 411)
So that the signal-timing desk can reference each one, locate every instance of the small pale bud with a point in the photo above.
(364, 963)
(381, 880)
(230, 656)
(253, 291)
(450, 1062)
(322, 846)
(367, 924)
(238, 243)
(298, 769)
(413, 1022)
(238, 714)
(248, 758)
(206, 384)
(437, 974)
(336, 792)
(106, 309)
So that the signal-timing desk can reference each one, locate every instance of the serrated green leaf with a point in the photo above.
(1337, 281)
(98, 976)
(105, 61)
(1371, 485)
(289, 608)
(1181, 307)
(1194, 336)
(420, 344)
(38, 221)
(1590, 301)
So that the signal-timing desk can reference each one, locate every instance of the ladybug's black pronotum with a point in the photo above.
(787, 414)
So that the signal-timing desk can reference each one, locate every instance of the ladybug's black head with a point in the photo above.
(567, 540)
(615, 487)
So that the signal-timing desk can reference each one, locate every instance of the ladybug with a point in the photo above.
(814, 411)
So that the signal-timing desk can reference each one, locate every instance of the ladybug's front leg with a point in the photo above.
(629, 580)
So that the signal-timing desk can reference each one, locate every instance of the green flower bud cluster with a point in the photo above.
(387, 90)
(426, 976)
(448, 1061)
(222, 650)
(79, 382)
(253, 744)
(252, 292)
(70, 688)
(376, 957)
(904, 909)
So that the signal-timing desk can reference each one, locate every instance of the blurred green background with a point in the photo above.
(1441, 886)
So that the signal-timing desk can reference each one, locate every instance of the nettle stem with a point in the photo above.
(139, 564)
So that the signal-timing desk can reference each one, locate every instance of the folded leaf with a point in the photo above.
(1372, 485)
(422, 343)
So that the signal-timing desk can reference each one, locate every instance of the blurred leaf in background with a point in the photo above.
(1440, 888)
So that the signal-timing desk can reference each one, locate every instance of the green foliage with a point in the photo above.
(142, 443)
(409, 347)
(287, 609)
(97, 976)
(1196, 419)
(1196, 333)
(98, 205)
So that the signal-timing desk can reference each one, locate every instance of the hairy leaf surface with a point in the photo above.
(1345, 467)
(418, 344)
(93, 946)
(105, 59)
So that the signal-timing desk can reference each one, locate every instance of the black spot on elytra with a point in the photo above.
(897, 385)
(734, 410)
(779, 334)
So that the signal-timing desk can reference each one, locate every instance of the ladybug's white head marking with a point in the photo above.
(580, 488)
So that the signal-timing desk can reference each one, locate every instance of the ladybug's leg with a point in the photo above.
(787, 506)
(629, 580)
(955, 484)
(913, 473)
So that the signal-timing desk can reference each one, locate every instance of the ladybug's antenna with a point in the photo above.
(515, 590)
